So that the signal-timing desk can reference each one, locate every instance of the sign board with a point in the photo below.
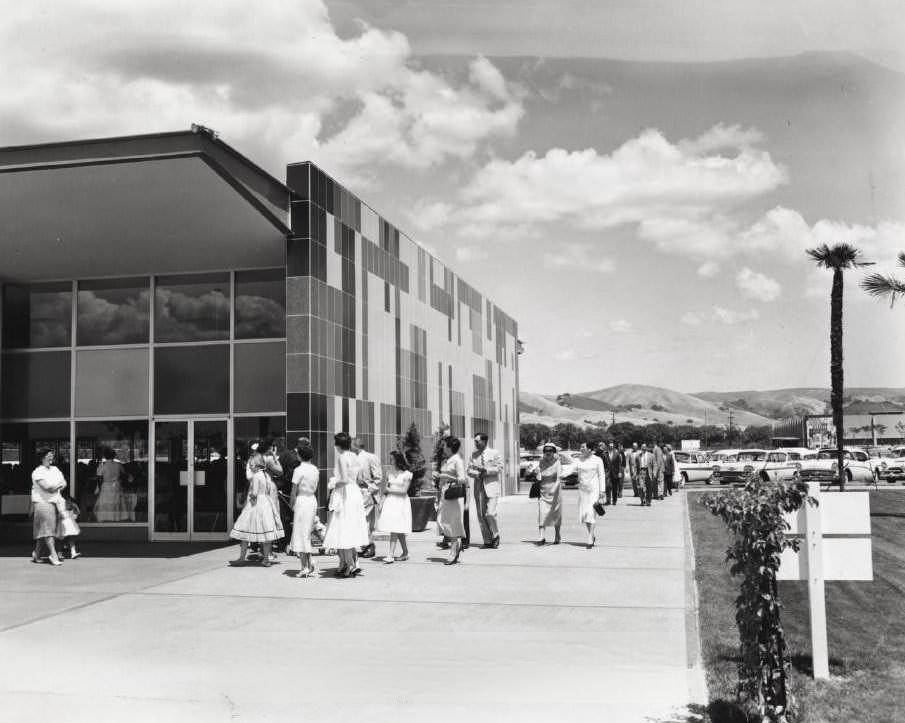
(691, 445)
(835, 545)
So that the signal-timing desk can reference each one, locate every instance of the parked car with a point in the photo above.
(891, 467)
(823, 468)
(739, 466)
(693, 466)
(784, 464)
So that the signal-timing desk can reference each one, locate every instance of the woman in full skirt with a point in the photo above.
(347, 530)
(396, 511)
(258, 519)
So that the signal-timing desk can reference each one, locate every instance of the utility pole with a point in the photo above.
(729, 433)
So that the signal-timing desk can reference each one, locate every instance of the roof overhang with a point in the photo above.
(135, 206)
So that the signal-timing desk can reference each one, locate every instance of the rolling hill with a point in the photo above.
(643, 404)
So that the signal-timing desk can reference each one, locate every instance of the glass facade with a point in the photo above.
(213, 344)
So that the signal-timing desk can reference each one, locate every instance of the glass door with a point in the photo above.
(192, 479)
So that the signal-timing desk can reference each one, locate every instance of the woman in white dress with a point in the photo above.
(304, 511)
(347, 530)
(452, 479)
(258, 520)
(549, 504)
(591, 490)
(396, 512)
(46, 483)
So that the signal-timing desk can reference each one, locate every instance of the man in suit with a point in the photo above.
(659, 462)
(669, 470)
(369, 480)
(634, 455)
(614, 474)
(485, 469)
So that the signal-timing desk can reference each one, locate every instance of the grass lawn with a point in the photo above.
(865, 620)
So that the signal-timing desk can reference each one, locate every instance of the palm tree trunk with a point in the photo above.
(836, 381)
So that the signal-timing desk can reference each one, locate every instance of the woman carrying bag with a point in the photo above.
(453, 485)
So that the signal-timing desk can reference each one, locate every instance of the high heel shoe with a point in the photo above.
(55, 561)
(34, 558)
(455, 559)
(355, 572)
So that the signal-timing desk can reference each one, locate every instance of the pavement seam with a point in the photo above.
(698, 684)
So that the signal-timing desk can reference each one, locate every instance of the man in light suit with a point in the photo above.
(614, 474)
(485, 470)
(648, 474)
(369, 480)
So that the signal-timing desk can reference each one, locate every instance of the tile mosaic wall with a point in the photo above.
(380, 334)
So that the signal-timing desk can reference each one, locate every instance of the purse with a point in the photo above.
(534, 492)
(599, 508)
(454, 491)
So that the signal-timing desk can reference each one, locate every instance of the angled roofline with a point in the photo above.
(267, 194)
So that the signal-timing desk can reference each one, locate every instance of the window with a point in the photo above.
(260, 304)
(120, 493)
(191, 379)
(37, 315)
(113, 311)
(20, 444)
(111, 382)
(36, 384)
(260, 377)
(194, 307)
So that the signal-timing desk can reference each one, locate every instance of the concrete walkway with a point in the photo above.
(522, 633)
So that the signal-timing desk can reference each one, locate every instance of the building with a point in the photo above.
(865, 425)
(164, 297)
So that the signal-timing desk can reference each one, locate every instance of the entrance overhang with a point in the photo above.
(137, 205)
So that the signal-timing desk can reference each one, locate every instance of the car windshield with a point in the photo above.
(831, 454)
(752, 456)
(776, 457)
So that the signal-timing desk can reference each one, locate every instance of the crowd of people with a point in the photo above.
(363, 501)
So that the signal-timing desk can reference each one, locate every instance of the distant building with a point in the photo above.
(871, 425)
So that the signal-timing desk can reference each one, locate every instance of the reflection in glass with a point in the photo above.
(191, 379)
(115, 491)
(19, 445)
(113, 311)
(194, 307)
(35, 384)
(171, 504)
(260, 304)
(209, 490)
(37, 315)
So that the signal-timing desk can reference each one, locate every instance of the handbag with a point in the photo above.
(599, 508)
(534, 492)
(454, 491)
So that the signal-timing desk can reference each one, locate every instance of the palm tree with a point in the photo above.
(838, 257)
(882, 286)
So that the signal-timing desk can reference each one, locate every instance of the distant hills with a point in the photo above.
(642, 404)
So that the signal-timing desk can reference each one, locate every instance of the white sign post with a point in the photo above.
(835, 546)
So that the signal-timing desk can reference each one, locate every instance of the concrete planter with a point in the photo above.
(423, 512)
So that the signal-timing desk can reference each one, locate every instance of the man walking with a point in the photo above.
(614, 474)
(659, 460)
(669, 470)
(485, 470)
(634, 456)
(369, 480)
(645, 470)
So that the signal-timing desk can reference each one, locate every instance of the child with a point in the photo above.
(396, 512)
(69, 528)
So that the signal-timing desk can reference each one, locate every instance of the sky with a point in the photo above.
(634, 182)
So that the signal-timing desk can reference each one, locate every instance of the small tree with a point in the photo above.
(754, 516)
(882, 287)
(410, 447)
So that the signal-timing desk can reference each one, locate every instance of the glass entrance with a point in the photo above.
(192, 479)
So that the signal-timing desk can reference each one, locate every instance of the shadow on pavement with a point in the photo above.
(102, 549)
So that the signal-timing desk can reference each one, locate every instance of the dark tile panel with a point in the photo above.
(300, 218)
(298, 261)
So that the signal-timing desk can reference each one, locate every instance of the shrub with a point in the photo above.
(754, 515)
(410, 446)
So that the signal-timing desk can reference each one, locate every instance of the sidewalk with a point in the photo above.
(522, 633)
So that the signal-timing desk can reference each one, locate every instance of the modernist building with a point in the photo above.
(165, 297)
(869, 425)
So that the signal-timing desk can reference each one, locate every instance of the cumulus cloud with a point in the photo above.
(692, 318)
(754, 285)
(621, 326)
(577, 256)
(274, 79)
(471, 253)
(708, 269)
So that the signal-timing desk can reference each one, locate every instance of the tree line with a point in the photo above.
(570, 436)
